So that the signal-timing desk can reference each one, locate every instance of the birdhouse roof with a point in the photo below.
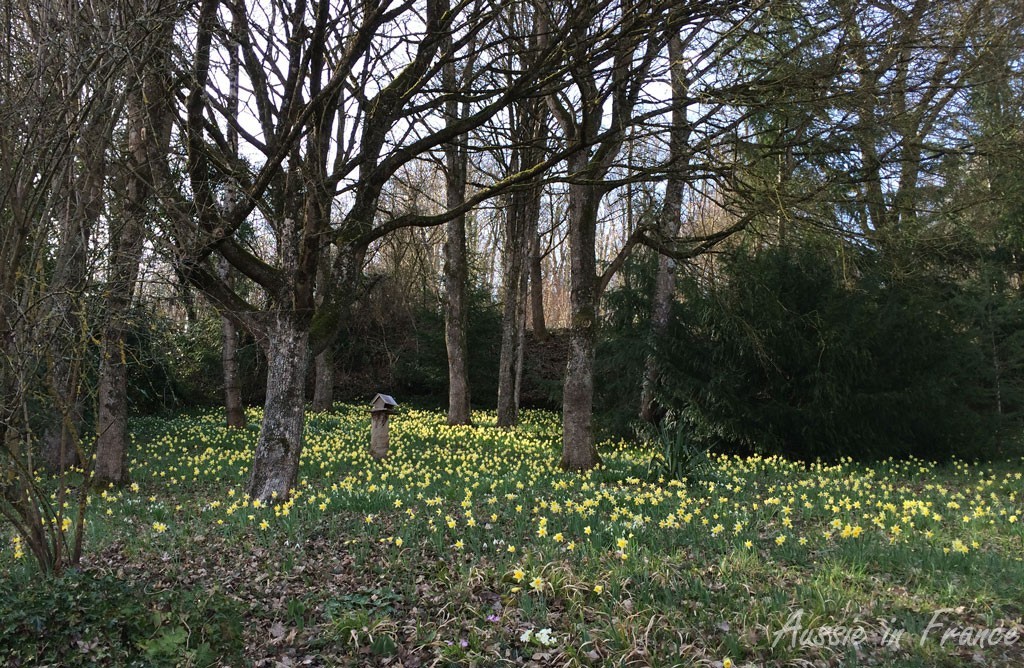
(384, 400)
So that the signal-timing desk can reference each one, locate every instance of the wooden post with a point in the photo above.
(381, 408)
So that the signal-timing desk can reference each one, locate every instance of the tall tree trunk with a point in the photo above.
(516, 245)
(285, 338)
(521, 344)
(456, 269)
(323, 354)
(341, 286)
(112, 391)
(529, 136)
(149, 129)
(323, 384)
(275, 467)
(456, 322)
(664, 287)
(578, 450)
(661, 311)
(588, 166)
(233, 405)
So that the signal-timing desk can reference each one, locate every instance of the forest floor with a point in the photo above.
(468, 547)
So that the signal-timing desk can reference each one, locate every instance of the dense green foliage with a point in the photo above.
(421, 368)
(174, 366)
(801, 354)
(624, 346)
(83, 619)
(826, 350)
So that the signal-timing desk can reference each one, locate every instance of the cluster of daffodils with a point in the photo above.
(478, 489)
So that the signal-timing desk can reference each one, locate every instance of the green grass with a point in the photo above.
(464, 539)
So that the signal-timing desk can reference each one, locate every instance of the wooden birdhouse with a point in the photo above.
(383, 402)
(382, 407)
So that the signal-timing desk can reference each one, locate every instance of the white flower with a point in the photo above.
(544, 637)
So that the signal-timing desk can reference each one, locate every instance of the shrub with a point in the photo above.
(796, 353)
(80, 619)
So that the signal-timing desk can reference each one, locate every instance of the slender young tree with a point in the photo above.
(147, 141)
(456, 262)
(126, 233)
(520, 141)
(672, 210)
(632, 32)
(233, 406)
(595, 109)
(527, 128)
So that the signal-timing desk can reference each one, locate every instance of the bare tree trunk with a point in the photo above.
(323, 385)
(578, 450)
(456, 322)
(275, 467)
(529, 137)
(511, 320)
(232, 383)
(521, 343)
(323, 347)
(588, 166)
(456, 270)
(323, 360)
(149, 131)
(661, 310)
(664, 288)
(112, 409)
(285, 339)
(342, 285)
(229, 356)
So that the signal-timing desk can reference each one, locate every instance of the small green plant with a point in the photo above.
(678, 456)
(297, 613)
(360, 628)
